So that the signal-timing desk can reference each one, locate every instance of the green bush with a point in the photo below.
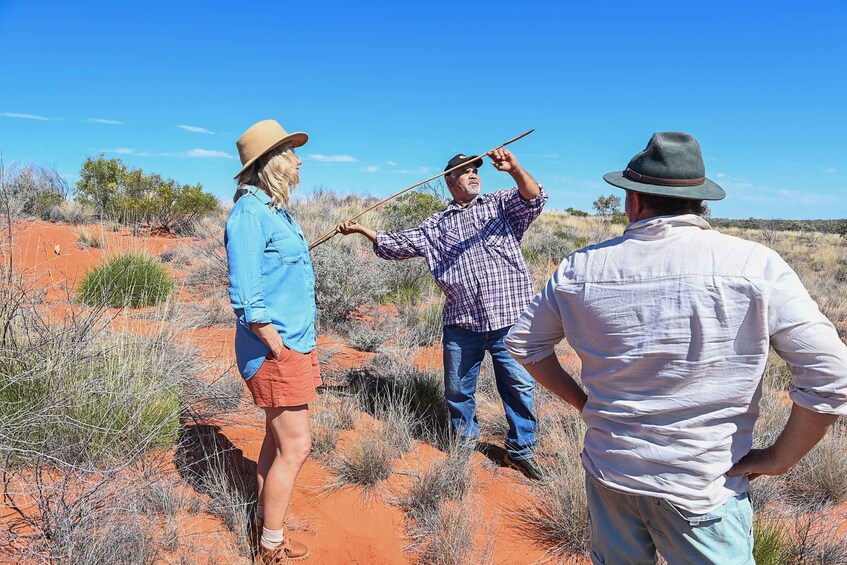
(771, 545)
(131, 196)
(82, 396)
(131, 279)
(410, 210)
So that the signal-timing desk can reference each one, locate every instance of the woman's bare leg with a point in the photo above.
(292, 437)
(266, 458)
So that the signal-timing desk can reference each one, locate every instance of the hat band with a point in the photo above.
(638, 177)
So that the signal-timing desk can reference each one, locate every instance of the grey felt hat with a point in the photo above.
(671, 165)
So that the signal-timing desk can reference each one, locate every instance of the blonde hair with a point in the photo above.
(275, 173)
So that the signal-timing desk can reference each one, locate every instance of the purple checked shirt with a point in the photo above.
(474, 253)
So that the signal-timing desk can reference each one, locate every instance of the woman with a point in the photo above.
(272, 290)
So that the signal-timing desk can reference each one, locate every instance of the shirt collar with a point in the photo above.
(260, 195)
(661, 224)
(456, 206)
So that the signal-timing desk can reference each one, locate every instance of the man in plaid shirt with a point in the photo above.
(473, 249)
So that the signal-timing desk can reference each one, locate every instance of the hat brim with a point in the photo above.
(475, 161)
(709, 190)
(296, 139)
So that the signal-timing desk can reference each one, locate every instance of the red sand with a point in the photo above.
(341, 526)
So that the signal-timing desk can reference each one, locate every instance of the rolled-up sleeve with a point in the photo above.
(536, 332)
(400, 245)
(522, 212)
(245, 246)
(809, 344)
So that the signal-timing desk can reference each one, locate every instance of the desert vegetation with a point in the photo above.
(117, 419)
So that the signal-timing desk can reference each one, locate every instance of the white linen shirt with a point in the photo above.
(672, 322)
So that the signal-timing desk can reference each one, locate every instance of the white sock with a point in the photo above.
(271, 538)
(260, 511)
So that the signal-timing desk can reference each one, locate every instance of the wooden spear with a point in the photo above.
(328, 235)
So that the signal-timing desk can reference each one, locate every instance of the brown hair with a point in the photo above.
(667, 206)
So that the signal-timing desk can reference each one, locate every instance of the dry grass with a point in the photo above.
(557, 518)
(366, 459)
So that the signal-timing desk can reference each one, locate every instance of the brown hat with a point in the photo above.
(262, 137)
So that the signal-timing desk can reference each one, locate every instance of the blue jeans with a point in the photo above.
(464, 351)
(628, 529)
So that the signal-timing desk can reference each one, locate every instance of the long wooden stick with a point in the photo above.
(328, 235)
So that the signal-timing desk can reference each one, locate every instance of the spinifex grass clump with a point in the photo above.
(77, 393)
(130, 279)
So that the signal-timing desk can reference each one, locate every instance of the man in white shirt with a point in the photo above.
(672, 322)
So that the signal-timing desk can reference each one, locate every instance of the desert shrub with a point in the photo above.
(576, 213)
(93, 396)
(32, 190)
(407, 282)
(209, 271)
(771, 546)
(543, 247)
(130, 279)
(365, 337)
(620, 219)
(423, 323)
(344, 280)
(88, 238)
(366, 459)
(446, 479)
(211, 464)
(390, 379)
(131, 196)
(409, 210)
(557, 518)
(332, 414)
(445, 536)
(207, 227)
(820, 478)
(71, 212)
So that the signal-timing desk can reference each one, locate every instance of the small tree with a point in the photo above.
(608, 206)
(130, 195)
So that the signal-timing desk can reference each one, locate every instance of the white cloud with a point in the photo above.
(196, 129)
(720, 175)
(331, 158)
(370, 169)
(191, 153)
(207, 153)
(104, 121)
(391, 163)
(418, 171)
(830, 171)
(25, 116)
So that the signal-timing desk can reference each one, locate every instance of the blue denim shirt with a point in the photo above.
(271, 279)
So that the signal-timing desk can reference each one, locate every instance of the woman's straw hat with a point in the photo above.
(262, 137)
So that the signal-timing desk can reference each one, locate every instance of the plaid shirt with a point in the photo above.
(474, 253)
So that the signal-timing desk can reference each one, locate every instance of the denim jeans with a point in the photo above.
(628, 530)
(464, 351)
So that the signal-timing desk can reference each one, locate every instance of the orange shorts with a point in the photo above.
(287, 381)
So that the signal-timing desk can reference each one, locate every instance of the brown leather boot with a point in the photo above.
(289, 550)
(275, 556)
(295, 550)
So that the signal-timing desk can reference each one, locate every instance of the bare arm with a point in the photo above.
(504, 160)
(268, 334)
(550, 373)
(802, 432)
(347, 228)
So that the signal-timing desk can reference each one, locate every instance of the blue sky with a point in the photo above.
(388, 92)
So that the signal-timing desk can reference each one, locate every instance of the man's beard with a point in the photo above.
(473, 189)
